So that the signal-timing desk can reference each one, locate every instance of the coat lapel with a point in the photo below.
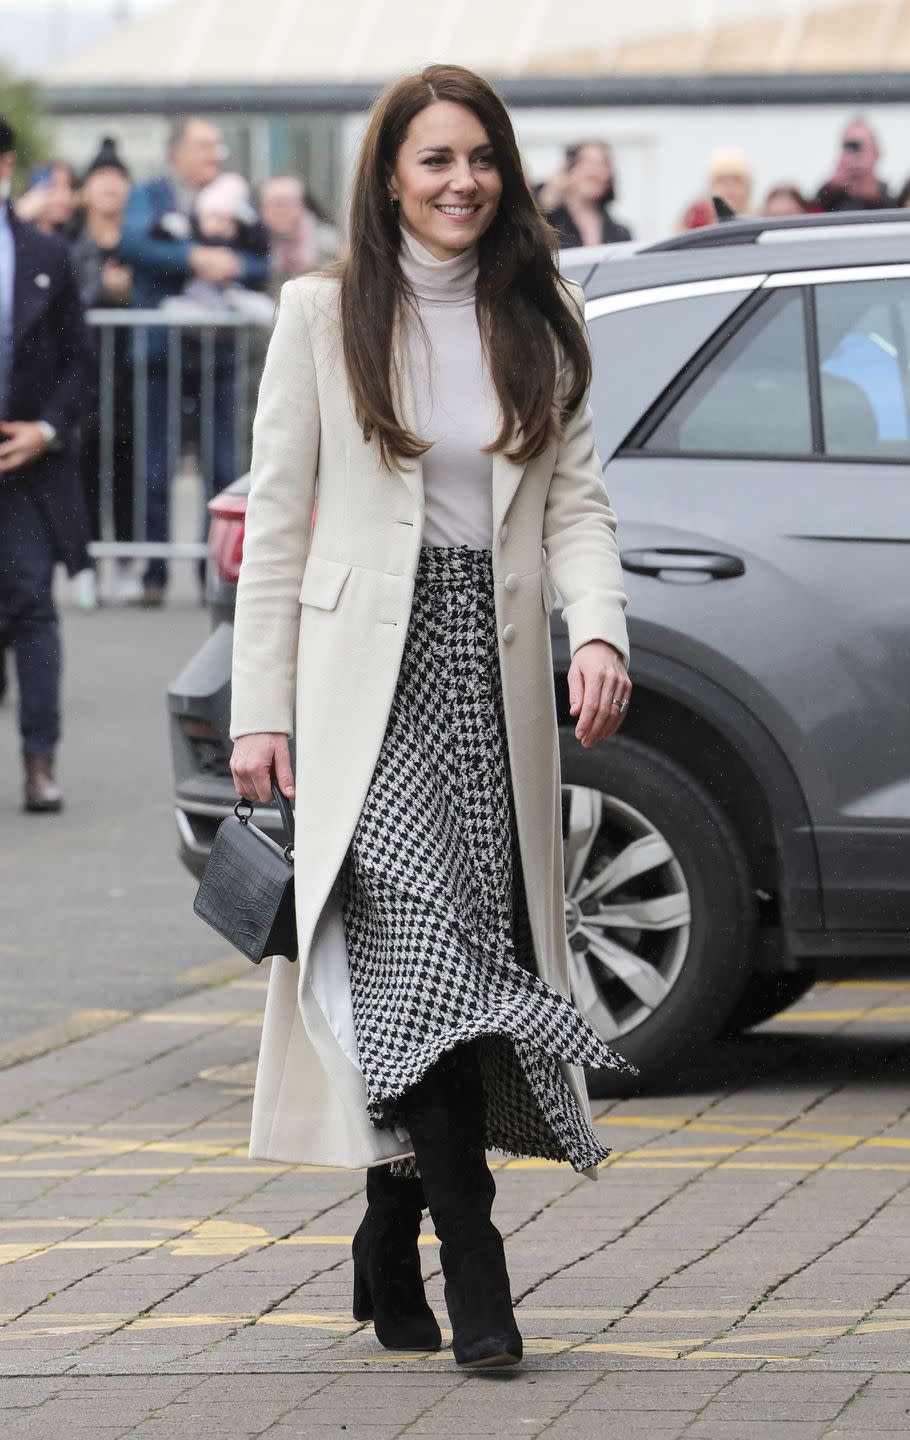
(31, 286)
(506, 480)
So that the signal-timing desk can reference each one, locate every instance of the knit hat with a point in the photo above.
(106, 159)
(728, 161)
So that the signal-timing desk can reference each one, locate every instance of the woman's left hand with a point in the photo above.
(599, 691)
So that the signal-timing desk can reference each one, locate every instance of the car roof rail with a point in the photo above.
(783, 228)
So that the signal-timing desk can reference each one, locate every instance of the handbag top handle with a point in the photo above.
(286, 812)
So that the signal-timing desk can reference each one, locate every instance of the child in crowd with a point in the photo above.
(223, 215)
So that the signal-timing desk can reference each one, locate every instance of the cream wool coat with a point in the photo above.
(321, 619)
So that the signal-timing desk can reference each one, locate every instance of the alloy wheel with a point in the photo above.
(628, 911)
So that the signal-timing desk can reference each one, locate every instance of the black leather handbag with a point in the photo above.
(247, 888)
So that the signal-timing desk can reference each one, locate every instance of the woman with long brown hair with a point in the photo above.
(429, 398)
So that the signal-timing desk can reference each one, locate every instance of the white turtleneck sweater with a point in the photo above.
(454, 400)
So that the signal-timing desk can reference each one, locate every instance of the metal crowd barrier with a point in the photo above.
(186, 323)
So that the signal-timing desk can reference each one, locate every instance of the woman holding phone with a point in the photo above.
(429, 396)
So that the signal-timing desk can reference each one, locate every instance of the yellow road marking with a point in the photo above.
(863, 985)
(82, 1023)
(63, 1032)
(61, 1172)
(744, 1355)
(186, 1322)
(871, 1012)
(619, 1163)
(818, 1165)
(200, 1017)
(304, 1321)
(9, 1254)
(290, 1317)
(209, 1238)
(678, 1348)
(103, 1223)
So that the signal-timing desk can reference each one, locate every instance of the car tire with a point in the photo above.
(706, 872)
(766, 996)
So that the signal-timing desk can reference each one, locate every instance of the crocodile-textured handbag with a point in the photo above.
(247, 888)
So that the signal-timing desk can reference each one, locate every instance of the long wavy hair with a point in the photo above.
(530, 333)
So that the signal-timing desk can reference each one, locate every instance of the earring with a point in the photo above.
(393, 201)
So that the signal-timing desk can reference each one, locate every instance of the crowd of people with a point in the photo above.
(855, 183)
(578, 200)
(195, 236)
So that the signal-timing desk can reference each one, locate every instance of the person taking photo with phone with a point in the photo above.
(855, 183)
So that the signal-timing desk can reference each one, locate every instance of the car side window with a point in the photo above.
(863, 329)
(752, 397)
(639, 350)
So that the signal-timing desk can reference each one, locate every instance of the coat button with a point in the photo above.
(511, 582)
(503, 533)
(509, 634)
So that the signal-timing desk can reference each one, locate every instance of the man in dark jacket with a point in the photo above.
(855, 184)
(44, 355)
(158, 243)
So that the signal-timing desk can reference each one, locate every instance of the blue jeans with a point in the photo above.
(26, 572)
(220, 443)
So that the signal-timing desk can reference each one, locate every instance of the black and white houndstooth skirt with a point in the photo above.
(435, 918)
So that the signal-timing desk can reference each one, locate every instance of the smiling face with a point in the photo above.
(591, 176)
(446, 180)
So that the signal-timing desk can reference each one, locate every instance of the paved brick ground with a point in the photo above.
(738, 1273)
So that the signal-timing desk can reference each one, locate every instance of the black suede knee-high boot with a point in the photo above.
(388, 1285)
(445, 1116)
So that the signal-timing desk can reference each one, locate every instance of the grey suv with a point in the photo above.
(752, 399)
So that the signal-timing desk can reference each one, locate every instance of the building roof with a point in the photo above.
(200, 43)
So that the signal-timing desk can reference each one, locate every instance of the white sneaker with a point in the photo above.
(127, 586)
(85, 590)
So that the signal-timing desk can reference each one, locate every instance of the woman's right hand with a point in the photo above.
(31, 206)
(255, 759)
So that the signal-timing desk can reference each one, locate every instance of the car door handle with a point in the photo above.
(697, 563)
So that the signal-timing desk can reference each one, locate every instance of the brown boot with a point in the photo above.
(42, 793)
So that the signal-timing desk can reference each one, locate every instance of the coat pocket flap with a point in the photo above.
(323, 582)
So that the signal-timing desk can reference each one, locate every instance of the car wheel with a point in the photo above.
(660, 913)
(767, 995)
